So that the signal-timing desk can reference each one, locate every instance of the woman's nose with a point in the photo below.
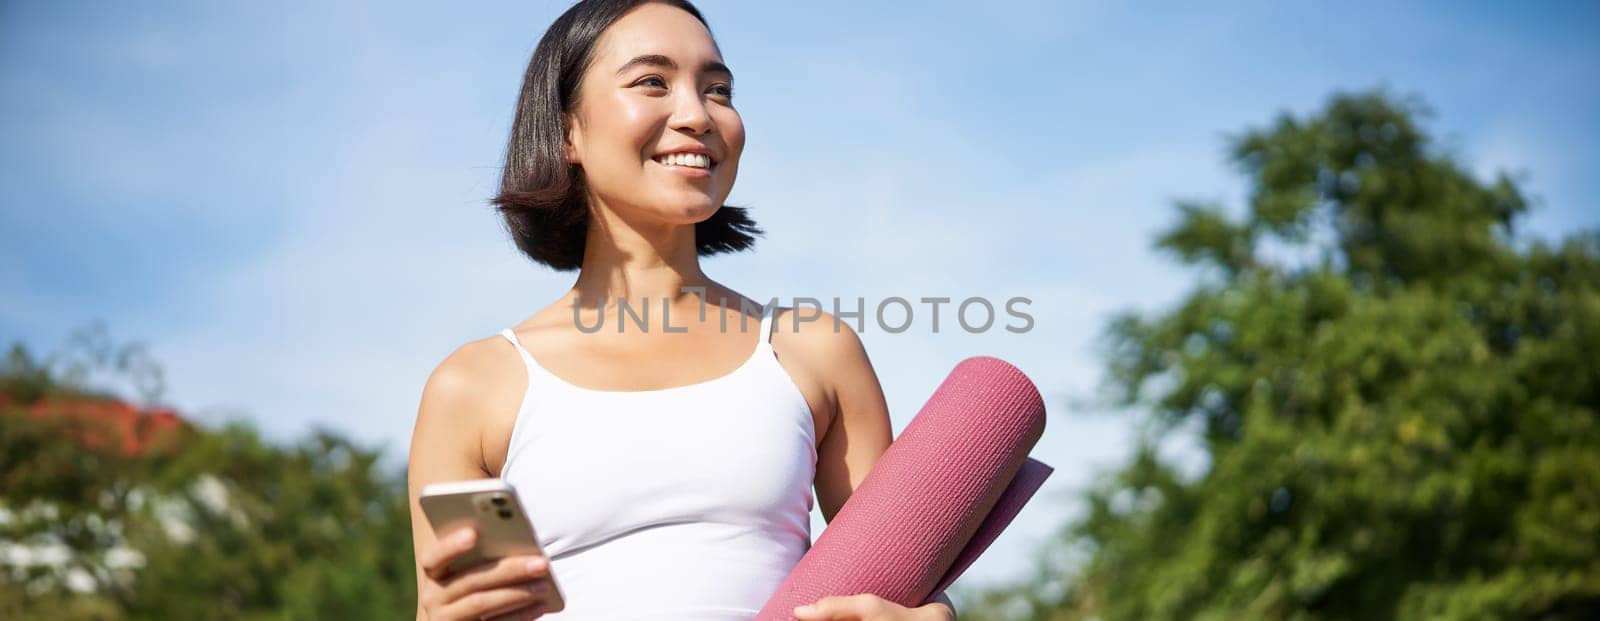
(689, 114)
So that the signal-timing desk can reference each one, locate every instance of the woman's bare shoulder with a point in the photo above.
(824, 352)
(478, 382)
(473, 372)
(818, 336)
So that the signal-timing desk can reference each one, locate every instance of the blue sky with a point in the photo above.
(287, 201)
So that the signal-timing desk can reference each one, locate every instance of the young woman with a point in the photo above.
(667, 463)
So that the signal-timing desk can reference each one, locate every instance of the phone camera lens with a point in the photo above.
(505, 514)
(499, 501)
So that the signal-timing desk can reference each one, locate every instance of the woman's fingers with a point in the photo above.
(499, 601)
(514, 585)
(435, 559)
(527, 613)
(507, 571)
(843, 607)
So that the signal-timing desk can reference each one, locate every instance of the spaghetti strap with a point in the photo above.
(768, 319)
(527, 358)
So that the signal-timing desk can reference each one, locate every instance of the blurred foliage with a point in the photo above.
(217, 525)
(1396, 397)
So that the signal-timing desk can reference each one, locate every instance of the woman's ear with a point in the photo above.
(568, 149)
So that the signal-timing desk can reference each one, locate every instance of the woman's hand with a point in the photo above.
(869, 607)
(514, 587)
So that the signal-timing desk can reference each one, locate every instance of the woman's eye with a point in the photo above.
(723, 90)
(651, 80)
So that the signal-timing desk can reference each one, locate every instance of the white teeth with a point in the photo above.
(692, 160)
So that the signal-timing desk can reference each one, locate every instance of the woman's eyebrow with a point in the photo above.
(658, 60)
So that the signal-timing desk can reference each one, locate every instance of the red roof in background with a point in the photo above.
(110, 423)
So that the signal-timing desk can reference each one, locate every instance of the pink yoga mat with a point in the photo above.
(936, 499)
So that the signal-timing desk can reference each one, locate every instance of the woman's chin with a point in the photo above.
(700, 213)
(689, 212)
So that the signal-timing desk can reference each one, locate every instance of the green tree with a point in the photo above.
(313, 531)
(1398, 397)
(224, 526)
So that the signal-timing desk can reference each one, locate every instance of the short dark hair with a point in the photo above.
(542, 196)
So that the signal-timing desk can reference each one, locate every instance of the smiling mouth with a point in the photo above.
(699, 161)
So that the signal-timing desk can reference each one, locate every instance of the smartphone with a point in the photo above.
(491, 506)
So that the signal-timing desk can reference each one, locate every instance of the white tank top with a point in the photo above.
(690, 502)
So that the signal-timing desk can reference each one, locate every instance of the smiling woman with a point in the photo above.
(543, 188)
(667, 472)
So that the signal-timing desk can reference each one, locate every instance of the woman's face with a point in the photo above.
(657, 86)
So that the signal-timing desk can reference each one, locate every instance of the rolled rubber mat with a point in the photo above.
(935, 500)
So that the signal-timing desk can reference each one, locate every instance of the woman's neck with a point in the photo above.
(637, 283)
(638, 262)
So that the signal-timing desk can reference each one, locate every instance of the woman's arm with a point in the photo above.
(858, 430)
(858, 433)
(447, 445)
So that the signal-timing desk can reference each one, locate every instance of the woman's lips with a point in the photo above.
(687, 171)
